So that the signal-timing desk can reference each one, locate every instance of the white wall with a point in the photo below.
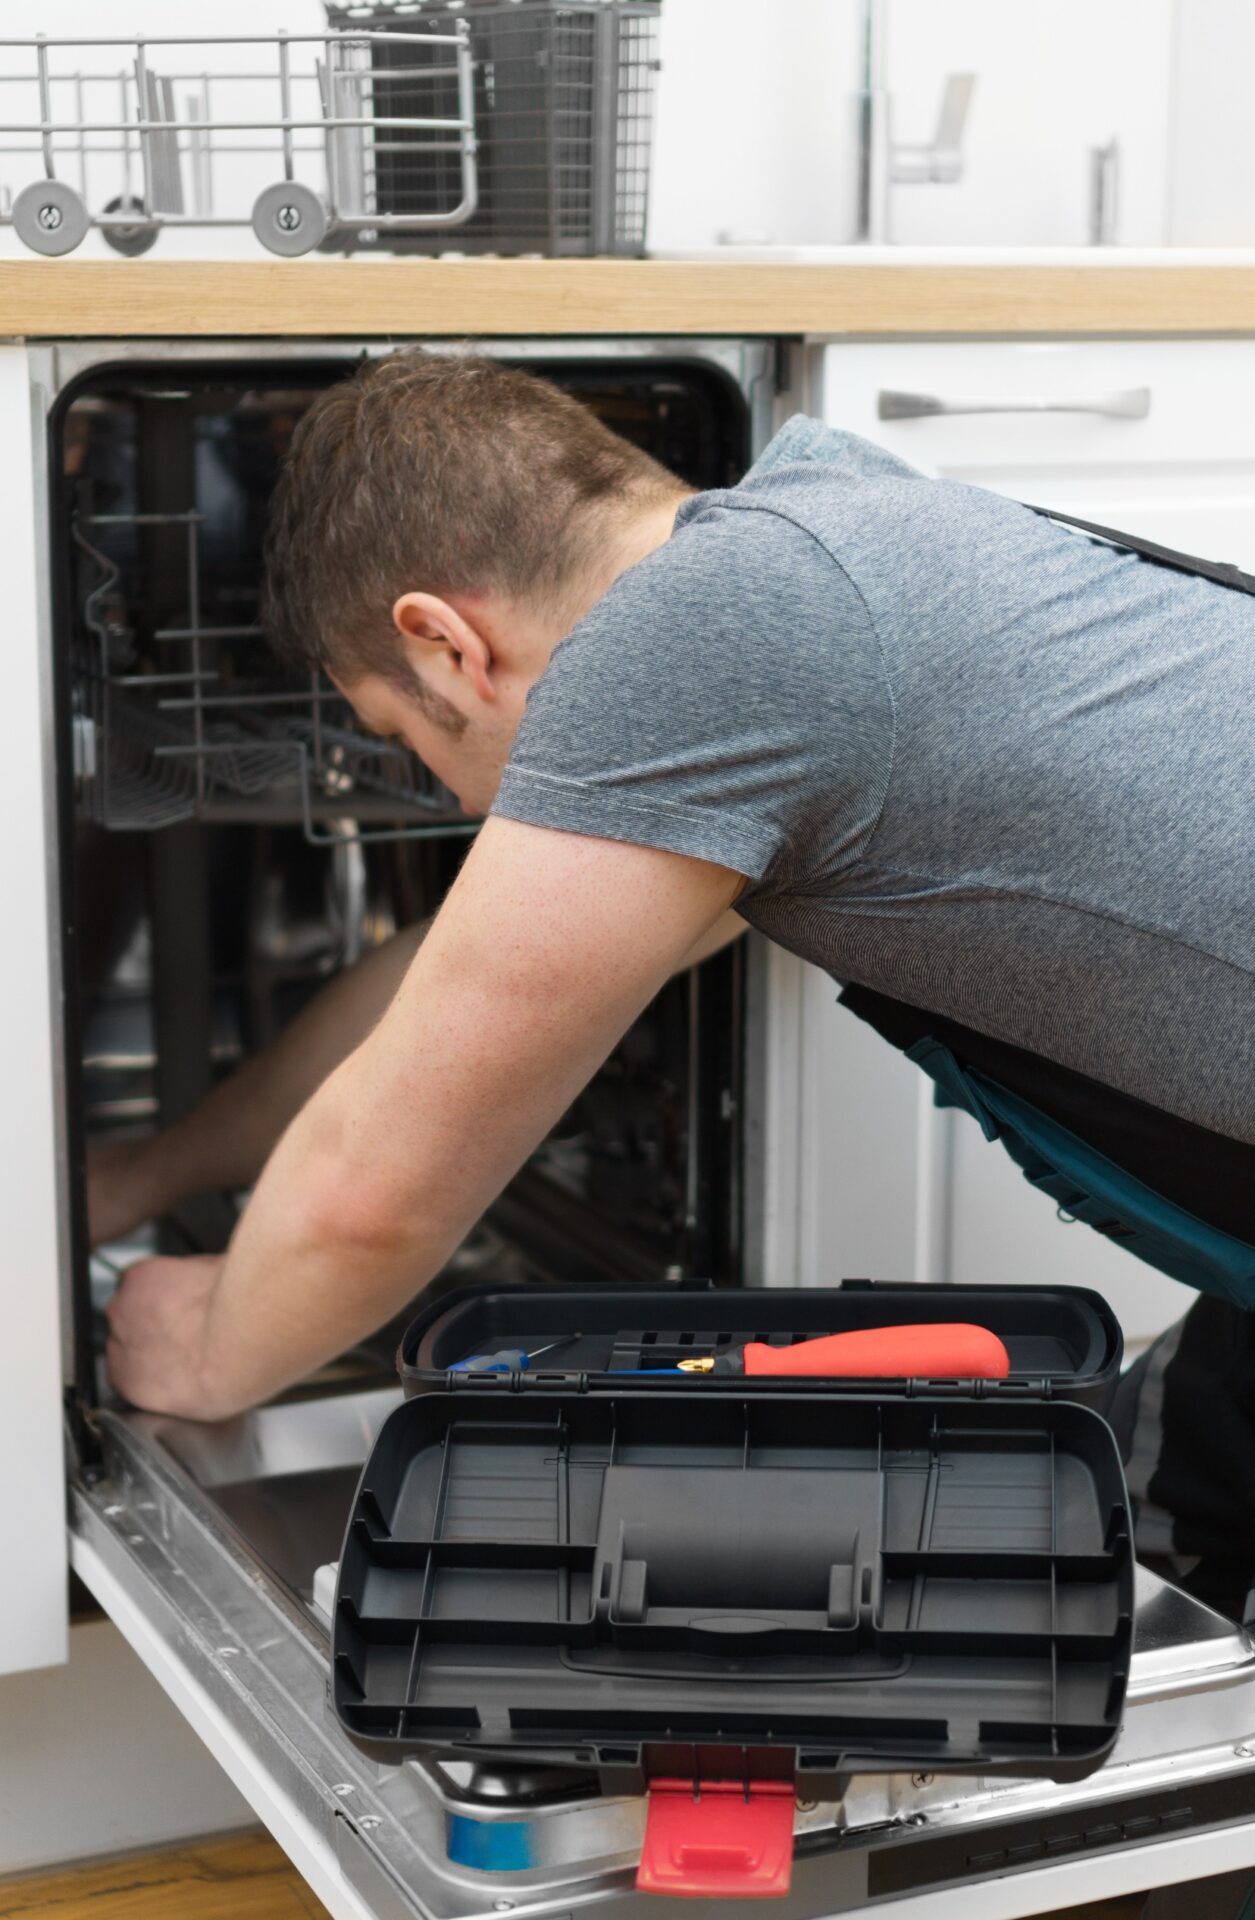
(756, 131)
(1053, 81)
(1212, 200)
(754, 135)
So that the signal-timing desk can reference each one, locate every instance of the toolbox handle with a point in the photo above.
(729, 1839)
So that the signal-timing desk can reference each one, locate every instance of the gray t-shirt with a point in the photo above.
(963, 755)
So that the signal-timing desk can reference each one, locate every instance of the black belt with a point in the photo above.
(1222, 572)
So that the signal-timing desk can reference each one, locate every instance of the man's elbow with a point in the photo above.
(354, 1208)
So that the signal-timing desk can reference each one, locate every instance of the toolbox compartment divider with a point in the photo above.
(855, 1578)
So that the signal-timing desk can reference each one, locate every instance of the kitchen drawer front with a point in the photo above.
(1201, 398)
(1183, 473)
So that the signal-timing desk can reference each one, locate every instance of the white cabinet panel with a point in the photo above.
(1185, 474)
(1200, 395)
(860, 1144)
(1001, 1230)
(893, 1188)
(32, 1485)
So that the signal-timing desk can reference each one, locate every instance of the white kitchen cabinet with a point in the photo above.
(1184, 473)
(33, 1628)
(949, 1206)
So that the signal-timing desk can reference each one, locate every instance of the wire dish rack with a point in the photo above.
(564, 93)
(134, 135)
(194, 721)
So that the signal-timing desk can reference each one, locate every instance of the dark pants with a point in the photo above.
(1185, 1418)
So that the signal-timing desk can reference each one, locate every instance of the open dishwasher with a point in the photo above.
(226, 841)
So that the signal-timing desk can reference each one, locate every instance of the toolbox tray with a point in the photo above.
(685, 1576)
(1062, 1342)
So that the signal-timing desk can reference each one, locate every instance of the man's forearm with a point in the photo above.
(235, 1128)
(548, 949)
(339, 1277)
(355, 1268)
(549, 946)
(224, 1141)
(339, 1233)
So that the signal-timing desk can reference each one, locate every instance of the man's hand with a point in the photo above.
(547, 948)
(156, 1350)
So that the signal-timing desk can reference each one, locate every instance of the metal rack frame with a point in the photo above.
(151, 138)
(158, 744)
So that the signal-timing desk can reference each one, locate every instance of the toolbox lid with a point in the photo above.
(1062, 1342)
(680, 1582)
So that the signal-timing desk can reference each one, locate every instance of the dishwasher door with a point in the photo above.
(200, 1544)
(195, 1540)
(168, 1531)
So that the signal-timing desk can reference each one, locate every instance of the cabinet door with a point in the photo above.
(33, 1629)
(1183, 472)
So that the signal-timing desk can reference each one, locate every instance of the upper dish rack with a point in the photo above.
(194, 720)
(150, 145)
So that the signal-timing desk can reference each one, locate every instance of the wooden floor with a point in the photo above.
(243, 1878)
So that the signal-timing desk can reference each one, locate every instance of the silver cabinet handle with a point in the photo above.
(1132, 404)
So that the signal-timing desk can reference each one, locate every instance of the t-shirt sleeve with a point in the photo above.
(725, 699)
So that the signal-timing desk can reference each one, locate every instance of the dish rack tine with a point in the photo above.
(45, 107)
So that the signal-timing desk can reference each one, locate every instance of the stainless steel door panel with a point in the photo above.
(247, 1659)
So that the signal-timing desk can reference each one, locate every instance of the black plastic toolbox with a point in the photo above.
(654, 1575)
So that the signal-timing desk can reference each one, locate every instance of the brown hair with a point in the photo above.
(440, 472)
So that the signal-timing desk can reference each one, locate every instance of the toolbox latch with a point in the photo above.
(720, 1838)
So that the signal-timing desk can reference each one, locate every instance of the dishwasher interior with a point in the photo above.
(231, 841)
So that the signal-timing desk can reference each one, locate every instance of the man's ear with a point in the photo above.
(437, 637)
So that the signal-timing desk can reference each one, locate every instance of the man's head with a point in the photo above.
(440, 524)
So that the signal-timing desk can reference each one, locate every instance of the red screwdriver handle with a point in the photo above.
(943, 1351)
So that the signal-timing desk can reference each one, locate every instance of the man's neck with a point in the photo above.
(632, 540)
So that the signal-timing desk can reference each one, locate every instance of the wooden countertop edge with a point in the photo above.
(453, 298)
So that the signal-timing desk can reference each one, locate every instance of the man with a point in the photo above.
(995, 776)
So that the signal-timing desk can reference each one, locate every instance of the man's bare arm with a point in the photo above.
(225, 1140)
(727, 928)
(546, 949)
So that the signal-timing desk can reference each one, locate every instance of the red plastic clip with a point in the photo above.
(718, 1837)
